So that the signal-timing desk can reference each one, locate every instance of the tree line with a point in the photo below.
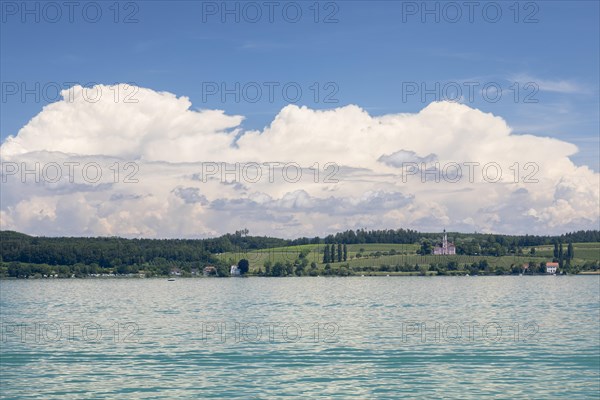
(499, 245)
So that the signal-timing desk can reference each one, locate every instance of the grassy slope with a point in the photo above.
(583, 252)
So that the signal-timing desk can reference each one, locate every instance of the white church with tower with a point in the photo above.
(447, 248)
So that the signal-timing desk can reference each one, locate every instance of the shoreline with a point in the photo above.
(429, 275)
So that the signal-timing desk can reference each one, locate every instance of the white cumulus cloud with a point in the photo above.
(168, 170)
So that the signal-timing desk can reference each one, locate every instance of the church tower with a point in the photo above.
(445, 243)
(447, 248)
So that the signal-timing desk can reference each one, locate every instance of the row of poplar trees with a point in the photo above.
(330, 255)
(561, 256)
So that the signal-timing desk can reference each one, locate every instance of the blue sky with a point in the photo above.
(354, 85)
(372, 50)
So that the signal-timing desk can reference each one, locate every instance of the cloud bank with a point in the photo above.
(168, 170)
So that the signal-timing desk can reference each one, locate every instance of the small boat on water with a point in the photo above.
(171, 279)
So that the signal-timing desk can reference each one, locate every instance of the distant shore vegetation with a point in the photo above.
(350, 253)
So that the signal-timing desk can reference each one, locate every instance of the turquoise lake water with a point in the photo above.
(371, 337)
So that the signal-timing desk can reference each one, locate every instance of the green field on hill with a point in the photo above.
(584, 251)
(375, 255)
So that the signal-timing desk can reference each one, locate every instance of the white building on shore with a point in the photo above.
(234, 271)
(551, 267)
